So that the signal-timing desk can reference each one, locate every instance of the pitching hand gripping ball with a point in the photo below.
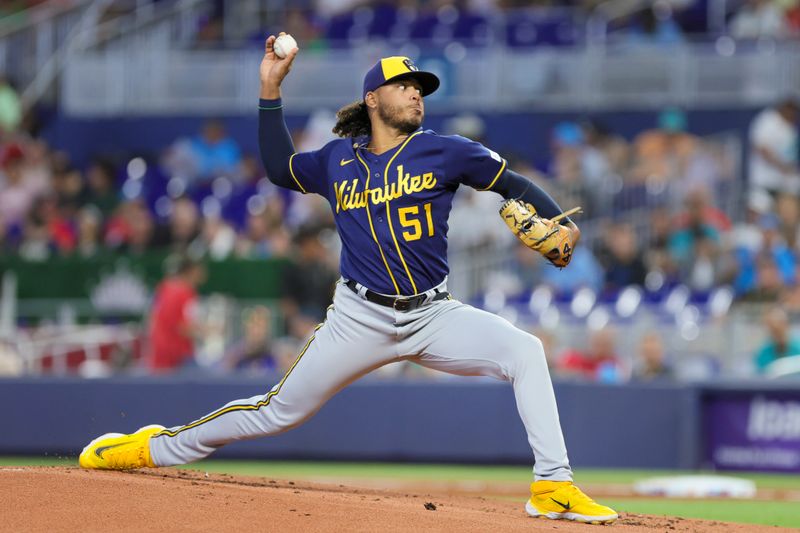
(283, 45)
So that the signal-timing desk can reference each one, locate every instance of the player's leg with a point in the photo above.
(353, 340)
(459, 339)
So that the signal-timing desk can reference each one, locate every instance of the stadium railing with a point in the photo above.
(144, 78)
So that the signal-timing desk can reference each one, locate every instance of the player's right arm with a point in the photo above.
(274, 141)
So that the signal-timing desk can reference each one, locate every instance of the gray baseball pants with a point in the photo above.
(359, 336)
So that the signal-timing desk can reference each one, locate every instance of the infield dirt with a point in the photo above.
(35, 499)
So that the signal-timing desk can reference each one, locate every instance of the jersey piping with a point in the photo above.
(499, 172)
(389, 214)
(291, 171)
(247, 407)
(372, 228)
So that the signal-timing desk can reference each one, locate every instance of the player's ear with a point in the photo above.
(371, 100)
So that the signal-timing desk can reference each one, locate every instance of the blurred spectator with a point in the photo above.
(580, 169)
(264, 235)
(567, 147)
(707, 266)
(759, 18)
(746, 235)
(90, 221)
(789, 297)
(68, 186)
(607, 154)
(10, 107)
(173, 321)
(598, 363)
(765, 266)
(131, 228)
(208, 155)
(584, 271)
(34, 244)
(657, 252)
(694, 246)
(787, 208)
(773, 149)
(182, 228)
(655, 25)
(601, 157)
(6, 240)
(671, 156)
(780, 341)
(793, 18)
(100, 190)
(525, 270)
(217, 239)
(36, 170)
(141, 228)
(651, 363)
(300, 24)
(16, 196)
(769, 284)
(309, 280)
(255, 351)
(621, 259)
(46, 231)
(249, 171)
(700, 209)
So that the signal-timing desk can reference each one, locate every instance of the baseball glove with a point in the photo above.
(546, 236)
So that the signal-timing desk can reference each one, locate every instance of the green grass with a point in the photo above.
(38, 461)
(786, 514)
(762, 481)
(508, 474)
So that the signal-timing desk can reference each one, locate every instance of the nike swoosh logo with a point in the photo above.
(99, 451)
(343, 162)
(566, 506)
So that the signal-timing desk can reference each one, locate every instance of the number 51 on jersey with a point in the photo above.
(415, 223)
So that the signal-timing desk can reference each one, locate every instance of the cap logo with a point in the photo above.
(389, 68)
(410, 65)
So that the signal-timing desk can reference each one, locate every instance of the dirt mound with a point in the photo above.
(70, 499)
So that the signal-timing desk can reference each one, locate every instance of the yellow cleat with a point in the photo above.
(115, 451)
(563, 500)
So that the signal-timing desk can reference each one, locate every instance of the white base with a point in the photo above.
(696, 487)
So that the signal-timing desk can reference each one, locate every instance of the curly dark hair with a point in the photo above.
(353, 120)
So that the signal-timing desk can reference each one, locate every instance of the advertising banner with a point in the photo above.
(757, 431)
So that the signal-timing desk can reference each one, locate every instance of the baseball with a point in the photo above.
(283, 45)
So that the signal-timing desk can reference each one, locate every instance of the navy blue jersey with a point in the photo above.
(391, 209)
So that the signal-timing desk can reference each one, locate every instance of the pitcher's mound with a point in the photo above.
(167, 500)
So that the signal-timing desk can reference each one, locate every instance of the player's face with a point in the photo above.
(400, 105)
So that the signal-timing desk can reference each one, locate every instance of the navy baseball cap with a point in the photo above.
(398, 67)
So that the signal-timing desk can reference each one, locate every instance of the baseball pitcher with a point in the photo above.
(390, 184)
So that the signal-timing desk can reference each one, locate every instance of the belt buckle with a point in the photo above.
(402, 304)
